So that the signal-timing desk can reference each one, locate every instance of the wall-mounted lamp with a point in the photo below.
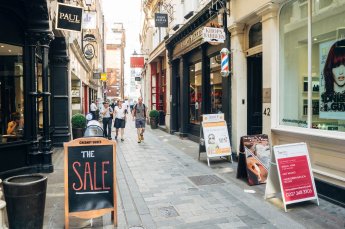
(176, 27)
(189, 14)
(88, 2)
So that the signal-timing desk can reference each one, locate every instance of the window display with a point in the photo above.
(195, 94)
(215, 85)
(11, 93)
(327, 64)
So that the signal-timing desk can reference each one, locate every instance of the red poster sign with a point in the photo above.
(295, 178)
(137, 62)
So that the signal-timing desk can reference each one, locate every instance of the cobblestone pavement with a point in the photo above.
(161, 184)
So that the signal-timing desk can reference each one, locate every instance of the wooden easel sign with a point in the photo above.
(290, 166)
(254, 158)
(216, 137)
(90, 178)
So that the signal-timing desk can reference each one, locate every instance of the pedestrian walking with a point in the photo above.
(107, 120)
(139, 115)
(93, 110)
(120, 119)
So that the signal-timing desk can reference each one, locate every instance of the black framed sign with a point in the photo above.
(161, 20)
(90, 178)
(69, 17)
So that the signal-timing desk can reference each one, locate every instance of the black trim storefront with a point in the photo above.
(26, 24)
(184, 49)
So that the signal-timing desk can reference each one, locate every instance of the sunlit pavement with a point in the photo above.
(161, 184)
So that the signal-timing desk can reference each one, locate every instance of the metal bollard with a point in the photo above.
(2, 209)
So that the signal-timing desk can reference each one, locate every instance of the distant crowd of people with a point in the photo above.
(114, 113)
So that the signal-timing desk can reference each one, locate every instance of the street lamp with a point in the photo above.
(88, 2)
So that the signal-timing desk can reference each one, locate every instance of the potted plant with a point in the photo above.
(154, 114)
(78, 125)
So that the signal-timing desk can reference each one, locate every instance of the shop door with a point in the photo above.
(254, 94)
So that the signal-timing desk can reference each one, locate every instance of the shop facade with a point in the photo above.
(31, 77)
(314, 69)
(293, 99)
(197, 87)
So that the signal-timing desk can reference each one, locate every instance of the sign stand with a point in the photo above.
(218, 142)
(253, 160)
(290, 175)
(90, 178)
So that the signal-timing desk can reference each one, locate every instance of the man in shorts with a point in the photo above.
(139, 115)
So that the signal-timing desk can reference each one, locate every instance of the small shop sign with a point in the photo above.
(161, 20)
(211, 34)
(69, 17)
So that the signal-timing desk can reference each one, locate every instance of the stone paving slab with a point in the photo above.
(155, 191)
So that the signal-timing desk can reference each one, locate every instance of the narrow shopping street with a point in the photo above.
(161, 184)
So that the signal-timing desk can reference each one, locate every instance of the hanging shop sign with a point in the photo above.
(89, 51)
(75, 100)
(161, 20)
(291, 175)
(254, 158)
(89, 20)
(104, 76)
(69, 17)
(213, 35)
(137, 62)
(90, 178)
(96, 75)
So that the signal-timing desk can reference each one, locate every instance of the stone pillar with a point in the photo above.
(239, 84)
(269, 69)
(46, 144)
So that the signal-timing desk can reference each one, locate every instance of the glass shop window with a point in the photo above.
(11, 93)
(216, 85)
(195, 93)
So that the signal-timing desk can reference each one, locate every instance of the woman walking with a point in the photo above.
(120, 119)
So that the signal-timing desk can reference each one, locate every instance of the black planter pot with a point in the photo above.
(154, 123)
(25, 197)
(78, 132)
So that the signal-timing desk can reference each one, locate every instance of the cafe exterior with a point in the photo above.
(34, 110)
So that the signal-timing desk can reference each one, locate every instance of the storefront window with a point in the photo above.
(215, 85)
(195, 95)
(11, 93)
(328, 65)
(327, 97)
(293, 83)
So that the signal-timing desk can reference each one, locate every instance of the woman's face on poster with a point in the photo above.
(339, 75)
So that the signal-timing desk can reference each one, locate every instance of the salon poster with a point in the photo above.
(258, 154)
(295, 175)
(332, 80)
(217, 140)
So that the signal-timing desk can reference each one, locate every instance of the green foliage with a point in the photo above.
(154, 114)
(78, 121)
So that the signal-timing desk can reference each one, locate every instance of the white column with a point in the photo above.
(270, 62)
(239, 85)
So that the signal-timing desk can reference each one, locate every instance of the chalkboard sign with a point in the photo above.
(90, 178)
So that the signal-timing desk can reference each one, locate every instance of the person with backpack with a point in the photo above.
(139, 115)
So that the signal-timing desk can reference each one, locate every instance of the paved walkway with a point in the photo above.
(161, 184)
